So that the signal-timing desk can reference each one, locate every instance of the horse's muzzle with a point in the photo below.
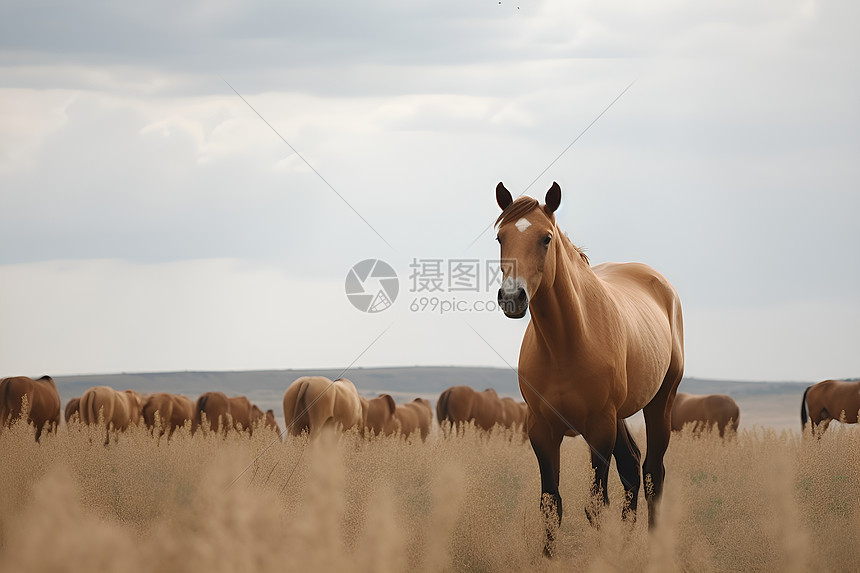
(514, 303)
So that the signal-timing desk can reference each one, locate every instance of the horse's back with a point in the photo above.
(639, 289)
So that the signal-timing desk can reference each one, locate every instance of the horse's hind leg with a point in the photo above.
(658, 430)
(546, 444)
(821, 426)
(627, 460)
(601, 437)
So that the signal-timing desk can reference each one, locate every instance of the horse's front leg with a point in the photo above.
(546, 444)
(600, 437)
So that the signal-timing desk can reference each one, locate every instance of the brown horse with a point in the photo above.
(73, 408)
(383, 416)
(379, 415)
(459, 405)
(515, 413)
(830, 400)
(172, 411)
(704, 411)
(314, 402)
(267, 419)
(43, 402)
(415, 416)
(223, 413)
(603, 343)
(116, 410)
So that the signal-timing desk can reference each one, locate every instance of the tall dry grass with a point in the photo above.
(763, 501)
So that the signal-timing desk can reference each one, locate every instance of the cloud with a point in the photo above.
(730, 165)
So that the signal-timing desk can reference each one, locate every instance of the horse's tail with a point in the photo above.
(442, 411)
(199, 409)
(300, 411)
(804, 410)
(4, 401)
(87, 408)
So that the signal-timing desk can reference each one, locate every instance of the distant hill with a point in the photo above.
(776, 404)
(369, 381)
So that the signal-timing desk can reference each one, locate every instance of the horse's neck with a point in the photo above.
(562, 309)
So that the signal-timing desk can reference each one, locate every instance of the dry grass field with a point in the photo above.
(764, 501)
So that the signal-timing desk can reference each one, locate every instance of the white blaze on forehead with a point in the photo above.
(523, 224)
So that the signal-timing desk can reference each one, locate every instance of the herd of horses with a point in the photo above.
(116, 410)
(602, 343)
(311, 404)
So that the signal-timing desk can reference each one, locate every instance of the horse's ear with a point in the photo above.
(553, 197)
(503, 196)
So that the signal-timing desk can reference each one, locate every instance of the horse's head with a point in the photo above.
(525, 233)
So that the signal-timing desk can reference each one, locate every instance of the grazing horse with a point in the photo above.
(172, 410)
(460, 405)
(43, 402)
(705, 411)
(73, 408)
(116, 410)
(383, 416)
(830, 400)
(379, 415)
(514, 413)
(314, 402)
(603, 343)
(223, 412)
(413, 416)
(267, 418)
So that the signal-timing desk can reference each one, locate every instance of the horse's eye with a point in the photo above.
(546, 240)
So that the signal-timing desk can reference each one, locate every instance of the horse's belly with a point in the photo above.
(637, 400)
(645, 375)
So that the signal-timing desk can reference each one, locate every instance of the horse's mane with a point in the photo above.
(525, 205)
(569, 244)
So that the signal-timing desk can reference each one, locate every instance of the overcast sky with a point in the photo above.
(151, 220)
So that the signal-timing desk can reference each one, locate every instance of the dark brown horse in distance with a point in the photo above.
(43, 402)
(830, 400)
(603, 343)
(459, 405)
(705, 411)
